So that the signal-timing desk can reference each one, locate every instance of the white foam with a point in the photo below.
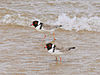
(83, 23)
(16, 19)
(76, 23)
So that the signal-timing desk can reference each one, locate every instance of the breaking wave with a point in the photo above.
(15, 19)
(75, 23)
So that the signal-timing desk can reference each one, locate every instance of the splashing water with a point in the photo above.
(83, 23)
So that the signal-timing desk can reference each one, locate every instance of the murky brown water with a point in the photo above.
(21, 52)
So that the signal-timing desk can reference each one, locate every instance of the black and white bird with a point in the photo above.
(53, 50)
(39, 26)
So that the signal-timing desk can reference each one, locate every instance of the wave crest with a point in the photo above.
(16, 19)
(75, 23)
(83, 23)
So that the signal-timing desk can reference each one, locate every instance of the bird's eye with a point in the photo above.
(35, 22)
(49, 45)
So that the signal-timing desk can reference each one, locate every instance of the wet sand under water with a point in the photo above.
(21, 53)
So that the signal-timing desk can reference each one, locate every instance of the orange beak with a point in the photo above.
(45, 47)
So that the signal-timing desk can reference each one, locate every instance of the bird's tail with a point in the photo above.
(58, 26)
(71, 48)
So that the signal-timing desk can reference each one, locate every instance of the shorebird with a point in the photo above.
(39, 26)
(53, 50)
(57, 52)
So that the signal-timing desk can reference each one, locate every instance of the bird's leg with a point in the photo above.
(54, 36)
(60, 59)
(56, 58)
(43, 41)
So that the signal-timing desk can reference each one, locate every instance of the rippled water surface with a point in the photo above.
(21, 52)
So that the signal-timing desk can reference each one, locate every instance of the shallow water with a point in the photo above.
(21, 52)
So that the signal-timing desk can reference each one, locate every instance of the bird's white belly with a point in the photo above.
(56, 52)
(38, 27)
